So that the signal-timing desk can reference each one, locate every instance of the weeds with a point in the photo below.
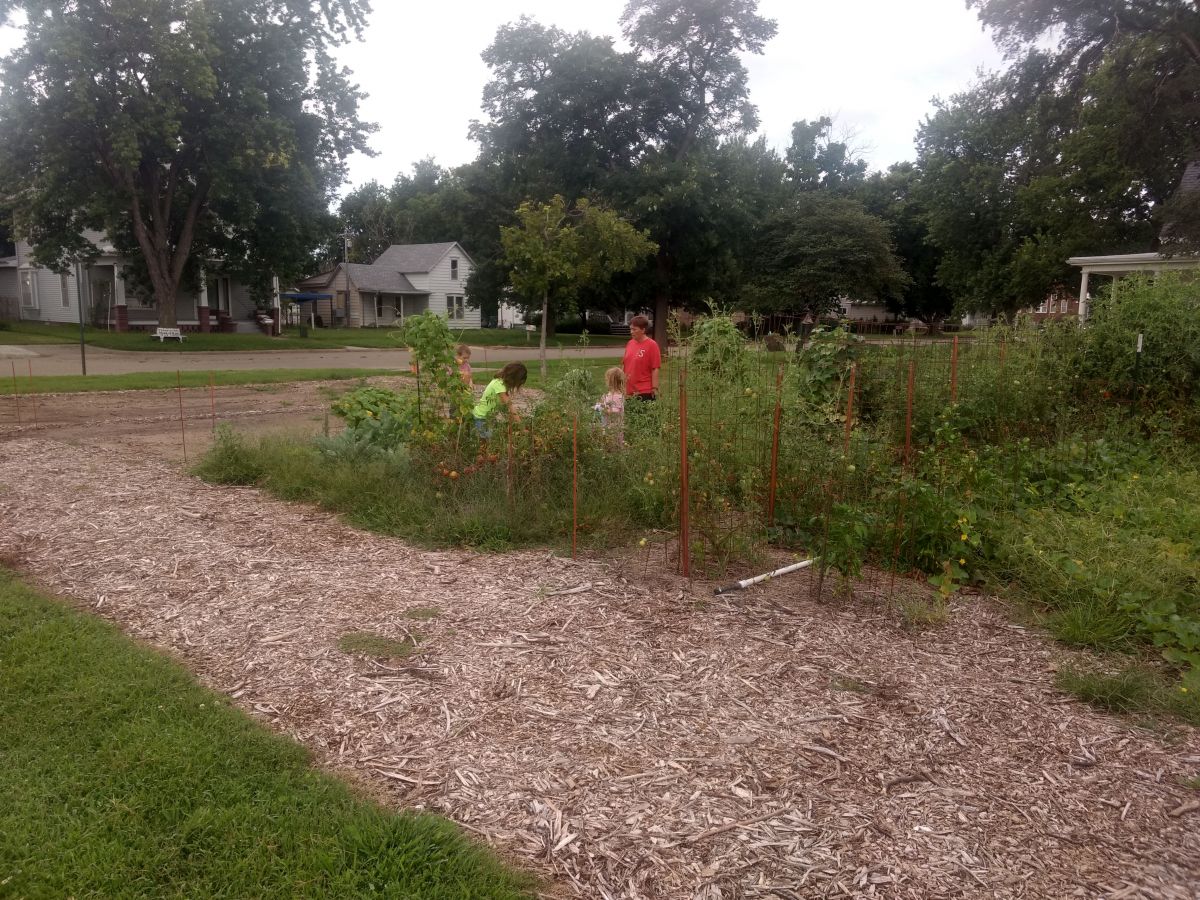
(364, 643)
(1130, 690)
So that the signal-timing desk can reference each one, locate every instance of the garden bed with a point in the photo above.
(617, 730)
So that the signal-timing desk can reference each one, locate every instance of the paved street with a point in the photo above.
(63, 359)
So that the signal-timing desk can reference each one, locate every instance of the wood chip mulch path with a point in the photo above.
(621, 738)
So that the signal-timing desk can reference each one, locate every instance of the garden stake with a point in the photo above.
(775, 449)
(16, 393)
(850, 410)
(574, 484)
(182, 431)
(33, 394)
(684, 534)
(509, 477)
(766, 576)
(212, 400)
(954, 371)
(417, 372)
(912, 373)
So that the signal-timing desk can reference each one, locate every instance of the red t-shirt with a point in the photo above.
(641, 359)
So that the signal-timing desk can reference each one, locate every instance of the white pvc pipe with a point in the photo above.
(766, 576)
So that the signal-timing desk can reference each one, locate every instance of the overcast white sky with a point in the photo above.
(874, 65)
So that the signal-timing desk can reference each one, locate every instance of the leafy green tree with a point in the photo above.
(1085, 31)
(894, 196)
(693, 48)
(557, 249)
(1074, 149)
(693, 51)
(819, 249)
(815, 160)
(185, 130)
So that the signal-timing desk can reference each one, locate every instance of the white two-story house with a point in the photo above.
(405, 280)
(33, 293)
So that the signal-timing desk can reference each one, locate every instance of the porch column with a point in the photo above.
(1083, 295)
(276, 307)
(203, 314)
(120, 310)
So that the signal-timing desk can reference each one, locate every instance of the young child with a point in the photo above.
(612, 405)
(499, 394)
(462, 359)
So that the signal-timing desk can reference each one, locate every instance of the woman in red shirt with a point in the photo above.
(642, 361)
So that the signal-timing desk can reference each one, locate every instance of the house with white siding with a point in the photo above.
(38, 294)
(405, 280)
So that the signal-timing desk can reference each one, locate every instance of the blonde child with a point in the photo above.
(462, 359)
(612, 405)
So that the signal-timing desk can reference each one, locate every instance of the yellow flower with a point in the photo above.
(1183, 690)
(1135, 476)
(642, 542)
(961, 561)
(964, 537)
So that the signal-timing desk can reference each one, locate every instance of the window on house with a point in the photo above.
(379, 306)
(66, 290)
(454, 270)
(455, 306)
(28, 289)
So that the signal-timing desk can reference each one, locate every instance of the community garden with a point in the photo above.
(1051, 465)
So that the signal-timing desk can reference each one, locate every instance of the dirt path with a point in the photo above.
(63, 359)
(627, 739)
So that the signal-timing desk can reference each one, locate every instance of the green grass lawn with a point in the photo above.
(121, 777)
(318, 339)
(150, 381)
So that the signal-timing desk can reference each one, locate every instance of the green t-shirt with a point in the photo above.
(490, 400)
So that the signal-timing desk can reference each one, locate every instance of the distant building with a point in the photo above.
(405, 280)
(30, 292)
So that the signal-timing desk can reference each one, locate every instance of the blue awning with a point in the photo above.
(301, 297)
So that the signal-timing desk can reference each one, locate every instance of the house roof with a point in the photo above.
(414, 258)
(1191, 178)
(382, 279)
(1122, 263)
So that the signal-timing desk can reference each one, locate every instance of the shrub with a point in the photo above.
(1165, 310)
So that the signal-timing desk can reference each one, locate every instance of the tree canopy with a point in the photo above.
(187, 131)
(557, 249)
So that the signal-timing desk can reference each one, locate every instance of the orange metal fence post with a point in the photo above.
(850, 409)
(954, 371)
(182, 430)
(775, 449)
(32, 393)
(684, 532)
(574, 485)
(912, 374)
(16, 393)
(510, 461)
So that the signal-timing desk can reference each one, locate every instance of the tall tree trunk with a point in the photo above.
(662, 299)
(542, 342)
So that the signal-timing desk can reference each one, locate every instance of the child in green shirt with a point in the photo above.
(499, 393)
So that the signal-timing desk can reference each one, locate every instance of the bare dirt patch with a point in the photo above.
(141, 423)
(626, 740)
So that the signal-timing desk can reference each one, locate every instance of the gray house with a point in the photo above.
(38, 294)
(405, 280)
